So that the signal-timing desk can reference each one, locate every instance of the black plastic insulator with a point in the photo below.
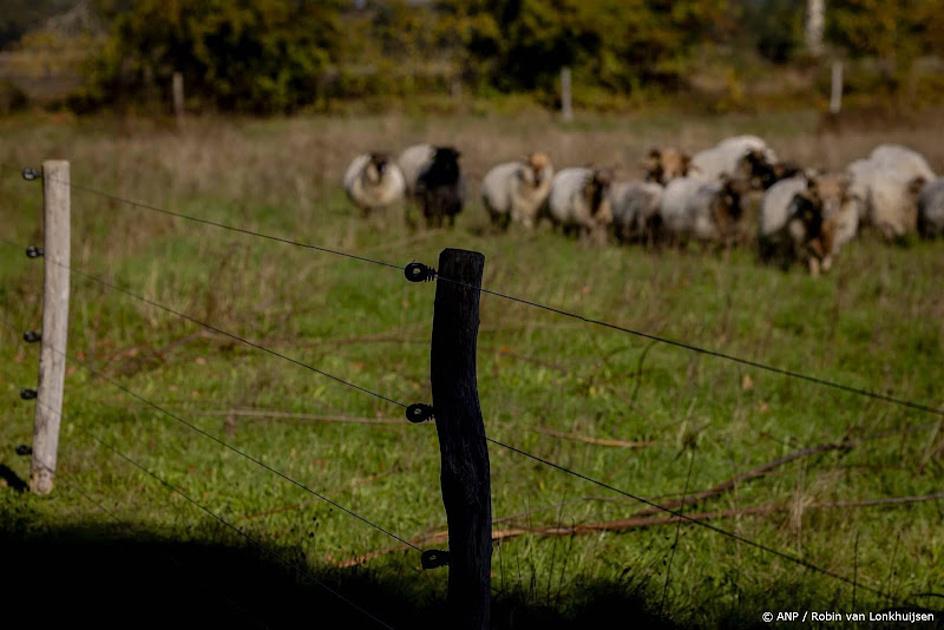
(34, 252)
(29, 174)
(32, 336)
(419, 412)
(28, 394)
(434, 558)
(23, 450)
(418, 272)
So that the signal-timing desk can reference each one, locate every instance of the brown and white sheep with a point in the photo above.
(516, 191)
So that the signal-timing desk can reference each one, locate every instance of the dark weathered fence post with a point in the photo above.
(465, 476)
(52, 359)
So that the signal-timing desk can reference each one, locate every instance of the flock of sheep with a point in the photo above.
(804, 216)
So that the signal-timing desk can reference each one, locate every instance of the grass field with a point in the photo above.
(876, 321)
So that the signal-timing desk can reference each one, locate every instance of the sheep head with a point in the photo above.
(537, 163)
(377, 167)
(754, 167)
(665, 164)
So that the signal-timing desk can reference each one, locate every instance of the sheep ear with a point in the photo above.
(811, 184)
(655, 153)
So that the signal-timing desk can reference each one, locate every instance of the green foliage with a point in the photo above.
(890, 30)
(775, 28)
(614, 44)
(250, 55)
(270, 56)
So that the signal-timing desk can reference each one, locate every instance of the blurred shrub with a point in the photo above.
(616, 45)
(258, 56)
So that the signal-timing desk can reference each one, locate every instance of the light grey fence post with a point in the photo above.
(52, 360)
(835, 97)
(567, 107)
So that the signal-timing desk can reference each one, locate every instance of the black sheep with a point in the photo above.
(440, 188)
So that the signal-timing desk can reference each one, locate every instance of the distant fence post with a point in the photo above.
(815, 21)
(835, 98)
(567, 108)
(178, 90)
(52, 359)
(465, 476)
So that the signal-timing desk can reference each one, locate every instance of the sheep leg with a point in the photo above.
(813, 264)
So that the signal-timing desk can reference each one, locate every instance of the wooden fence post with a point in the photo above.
(835, 97)
(465, 476)
(178, 90)
(52, 359)
(567, 108)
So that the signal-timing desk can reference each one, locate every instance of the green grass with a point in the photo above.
(877, 321)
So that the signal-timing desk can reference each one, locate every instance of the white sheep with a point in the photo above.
(579, 201)
(635, 207)
(726, 157)
(373, 182)
(931, 209)
(516, 191)
(909, 162)
(886, 188)
(705, 210)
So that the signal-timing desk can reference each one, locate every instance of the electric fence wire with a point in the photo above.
(867, 393)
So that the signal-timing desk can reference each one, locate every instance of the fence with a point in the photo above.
(455, 407)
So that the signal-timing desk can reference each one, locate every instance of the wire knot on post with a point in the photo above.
(27, 393)
(418, 272)
(419, 412)
(32, 336)
(434, 558)
(30, 174)
(23, 450)
(34, 252)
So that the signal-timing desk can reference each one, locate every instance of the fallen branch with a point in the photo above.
(592, 440)
(266, 414)
(750, 475)
(641, 522)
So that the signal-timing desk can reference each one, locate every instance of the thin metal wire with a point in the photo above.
(227, 445)
(681, 515)
(225, 333)
(713, 353)
(732, 535)
(558, 311)
(251, 458)
(552, 309)
(176, 490)
(218, 224)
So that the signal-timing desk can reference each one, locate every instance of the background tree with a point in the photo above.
(244, 55)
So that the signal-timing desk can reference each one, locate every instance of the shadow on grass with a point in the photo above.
(115, 576)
